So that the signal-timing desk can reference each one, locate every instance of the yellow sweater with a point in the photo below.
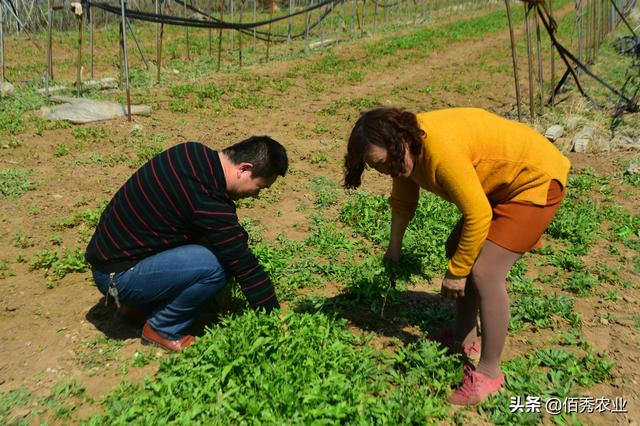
(476, 159)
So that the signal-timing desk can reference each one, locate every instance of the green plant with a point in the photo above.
(11, 400)
(319, 158)
(580, 283)
(21, 240)
(312, 369)
(15, 182)
(326, 191)
(577, 223)
(61, 150)
(89, 134)
(540, 311)
(5, 271)
(59, 264)
(97, 351)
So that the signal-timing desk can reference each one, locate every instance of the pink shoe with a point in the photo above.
(475, 388)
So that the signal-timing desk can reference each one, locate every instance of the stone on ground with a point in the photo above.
(78, 110)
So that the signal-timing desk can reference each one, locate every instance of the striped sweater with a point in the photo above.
(179, 197)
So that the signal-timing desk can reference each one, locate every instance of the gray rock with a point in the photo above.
(7, 90)
(554, 132)
(582, 139)
(78, 110)
(625, 142)
(322, 43)
(52, 90)
(633, 168)
(103, 83)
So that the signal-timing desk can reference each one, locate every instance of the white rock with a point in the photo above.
(7, 90)
(322, 43)
(52, 90)
(554, 132)
(624, 142)
(633, 169)
(582, 139)
(103, 83)
(79, 110)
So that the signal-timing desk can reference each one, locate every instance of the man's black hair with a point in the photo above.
(268, 156)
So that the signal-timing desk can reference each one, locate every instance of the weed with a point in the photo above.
(612, 296)
(5, 271)
(580, 283)
(316, 86)
(12, 399)
(326, 191)
(567, 261)
(15, 182)
(61, 399)
(540, 311)
(355, 76)
(577, 223)
(313, 370)
(21, 240)
(321, 157)
(70, 260)
(61, 150)
(97, 351)
(178, 105)
(89, 134)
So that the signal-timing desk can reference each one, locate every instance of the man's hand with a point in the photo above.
(453, 287)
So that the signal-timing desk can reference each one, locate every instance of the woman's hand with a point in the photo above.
(453, 287)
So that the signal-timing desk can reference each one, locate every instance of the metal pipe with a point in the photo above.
(269, 35)
(186, 30)
(1, 45)
(539, 58)
(91, 25)
(220, 36)
(126, 59)
(240, 35)
(49, 40)
(514, 59)
(79, 67)
(529, 62)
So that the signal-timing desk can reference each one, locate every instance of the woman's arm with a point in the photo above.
(404, 201)
(399, 225)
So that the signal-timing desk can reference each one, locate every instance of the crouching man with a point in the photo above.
(170, 238)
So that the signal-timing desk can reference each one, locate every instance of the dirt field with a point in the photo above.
(59, 330)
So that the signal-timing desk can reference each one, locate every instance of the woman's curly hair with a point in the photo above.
(388, 128)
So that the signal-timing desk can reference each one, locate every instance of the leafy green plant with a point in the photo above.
(312, 369)
(577, 223)
(59, 264)
(15, 182)
(326, 191)
(89, 134)
(542, 311)
(61, 150)
(580, 283)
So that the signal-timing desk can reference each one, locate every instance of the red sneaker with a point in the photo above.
(151, 337)
(475, 388)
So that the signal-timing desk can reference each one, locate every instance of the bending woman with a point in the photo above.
(508, 182)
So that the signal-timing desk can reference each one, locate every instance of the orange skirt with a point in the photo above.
(516, 226)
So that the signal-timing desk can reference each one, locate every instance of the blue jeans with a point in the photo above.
(173, 286)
